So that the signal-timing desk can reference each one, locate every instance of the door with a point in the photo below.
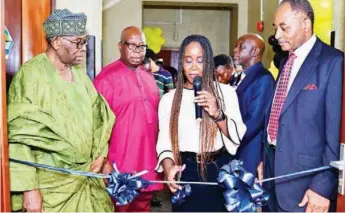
(13, 22)
(170, 57)
(166, 56)
(4, 177)
(25, 25)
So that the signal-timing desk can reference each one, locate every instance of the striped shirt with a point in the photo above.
(164, 81)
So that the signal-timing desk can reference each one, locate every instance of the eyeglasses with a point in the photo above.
(134, 47)
(80, 43)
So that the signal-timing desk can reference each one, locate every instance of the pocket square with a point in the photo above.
(310, 87)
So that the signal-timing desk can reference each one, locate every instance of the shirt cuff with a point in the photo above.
(163, 155)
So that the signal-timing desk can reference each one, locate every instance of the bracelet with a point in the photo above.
(221, 116)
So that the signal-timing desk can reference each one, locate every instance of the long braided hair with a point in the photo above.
(208, 128)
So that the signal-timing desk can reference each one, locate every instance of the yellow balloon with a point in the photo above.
(158, 31)
(160, 40)
(147, 30)
(156, 49)
(154, 38)
(273, 69)
(149, 45)
(149, 38)
(323, 10)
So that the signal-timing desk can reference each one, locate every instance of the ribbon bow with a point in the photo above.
(125, 187)
(242, 193)
(179, 196)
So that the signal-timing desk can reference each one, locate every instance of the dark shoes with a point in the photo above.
(156, 202)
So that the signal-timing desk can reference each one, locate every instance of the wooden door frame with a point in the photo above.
(5, 199)
(5, 178)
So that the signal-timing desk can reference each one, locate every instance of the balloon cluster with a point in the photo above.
(154, 38)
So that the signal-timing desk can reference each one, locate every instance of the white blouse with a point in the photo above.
(188, 127)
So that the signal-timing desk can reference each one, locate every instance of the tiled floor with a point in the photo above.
(164, 196)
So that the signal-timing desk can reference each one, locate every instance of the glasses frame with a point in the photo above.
(79, 44)
(134, 47)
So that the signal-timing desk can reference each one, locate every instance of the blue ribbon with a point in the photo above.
(179, 196)
(63, 170)
(242, 193)
(124, 188)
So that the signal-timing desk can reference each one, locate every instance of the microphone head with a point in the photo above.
(197, 82)
(197, 79)
(197, 87)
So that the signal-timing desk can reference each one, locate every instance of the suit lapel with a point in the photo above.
(307, 69)
(251, 75)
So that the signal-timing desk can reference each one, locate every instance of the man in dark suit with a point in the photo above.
(303, 122)
(254, 90)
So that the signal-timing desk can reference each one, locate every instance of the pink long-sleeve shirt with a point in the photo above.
(134, 97)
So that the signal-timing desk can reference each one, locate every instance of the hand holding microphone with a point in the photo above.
(197, 84)
(204, 99)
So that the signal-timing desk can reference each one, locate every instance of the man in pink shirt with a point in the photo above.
(133, 95)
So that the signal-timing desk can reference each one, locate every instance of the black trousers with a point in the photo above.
(204, 198)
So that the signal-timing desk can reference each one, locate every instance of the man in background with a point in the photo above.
(173, 72)
(254, 90)
(133, 95)
(163, 78)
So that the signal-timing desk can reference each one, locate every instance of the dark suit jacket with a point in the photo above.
(309, 127)
(254, 94)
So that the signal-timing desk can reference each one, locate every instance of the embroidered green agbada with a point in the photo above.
(62, 124)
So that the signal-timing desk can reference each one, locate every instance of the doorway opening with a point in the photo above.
(218, 22)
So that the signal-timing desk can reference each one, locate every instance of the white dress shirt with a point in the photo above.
(301, 54)
(236, 74)
(188, 127)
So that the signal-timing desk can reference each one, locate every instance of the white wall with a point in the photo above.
(129, 12)
(93, 10)
(122, 14)
(214, 24)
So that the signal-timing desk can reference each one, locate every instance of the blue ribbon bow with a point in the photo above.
(242, 193)
(124, 187)
(179, 196)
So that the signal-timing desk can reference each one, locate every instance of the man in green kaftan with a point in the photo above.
(56, 117)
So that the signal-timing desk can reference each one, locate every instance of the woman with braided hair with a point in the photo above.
(192, 150)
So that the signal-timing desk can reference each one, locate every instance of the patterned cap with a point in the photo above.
(65, 23)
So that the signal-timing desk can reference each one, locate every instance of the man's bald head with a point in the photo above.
(249, 50)
(257, 41)
(132, 46)
(130, 31)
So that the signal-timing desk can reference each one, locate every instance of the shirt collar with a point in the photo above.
(236, 74)
(140, 67)
(253, 67)
(304, 49)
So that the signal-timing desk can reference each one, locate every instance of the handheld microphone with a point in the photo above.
(197, 87)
